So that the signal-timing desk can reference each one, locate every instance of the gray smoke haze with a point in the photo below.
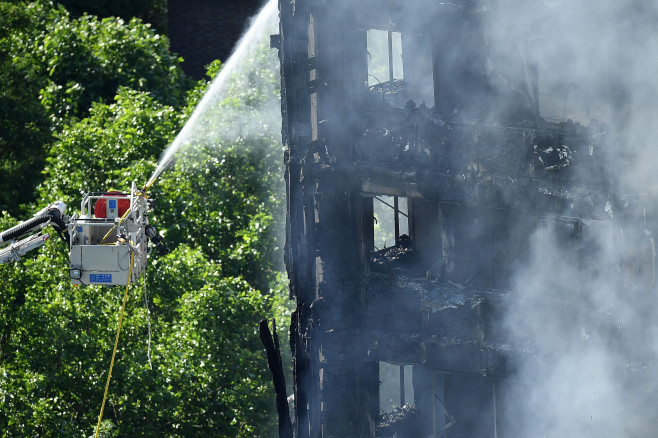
(586, 310)
(595, 61)
(582, 309)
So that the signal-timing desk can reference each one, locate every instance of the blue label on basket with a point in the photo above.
(112, 203)
(100, 278)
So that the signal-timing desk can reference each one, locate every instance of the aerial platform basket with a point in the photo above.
(110, 227)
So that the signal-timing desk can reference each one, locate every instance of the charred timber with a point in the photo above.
(270, 341)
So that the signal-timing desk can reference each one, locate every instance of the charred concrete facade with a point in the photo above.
(419, 163)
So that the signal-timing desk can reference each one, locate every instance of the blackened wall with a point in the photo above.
(204, 30)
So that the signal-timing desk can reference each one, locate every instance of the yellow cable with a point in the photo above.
(123, 307)
(115, 227)
(116, 343)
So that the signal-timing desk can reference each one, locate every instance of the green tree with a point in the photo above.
(209, 373)
(219, 208)
(117, 144)
(53, 67)
(84, 60)
(24, 122)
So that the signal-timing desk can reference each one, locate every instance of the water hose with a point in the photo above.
(24, 227)
(52, 215)
(123, 308)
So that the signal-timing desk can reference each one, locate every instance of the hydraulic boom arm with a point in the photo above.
(26, 236)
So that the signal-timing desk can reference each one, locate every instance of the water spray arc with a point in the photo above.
(212, 98)
(218, 89)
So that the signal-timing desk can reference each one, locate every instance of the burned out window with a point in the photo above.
(395, 386)
(384, 56)
(391, 221)
(400, 67)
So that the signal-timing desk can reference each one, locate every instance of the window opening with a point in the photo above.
(389, 53)
(384, 56)
(442, 420)
(395, 386)
(391, 220)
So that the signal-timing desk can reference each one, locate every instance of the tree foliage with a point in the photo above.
(217, 208)
(54, 66)
(86, 59)
(208, 376)
(25, 127)
(117, 144)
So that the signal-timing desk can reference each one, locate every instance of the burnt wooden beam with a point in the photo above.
(271, 343)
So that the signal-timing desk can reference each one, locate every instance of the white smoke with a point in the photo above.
(586, 310)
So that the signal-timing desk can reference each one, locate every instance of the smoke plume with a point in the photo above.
(588, 319)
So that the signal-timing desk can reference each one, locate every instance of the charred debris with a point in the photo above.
(419, 165)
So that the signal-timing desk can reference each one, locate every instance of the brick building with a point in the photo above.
(204, 30)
